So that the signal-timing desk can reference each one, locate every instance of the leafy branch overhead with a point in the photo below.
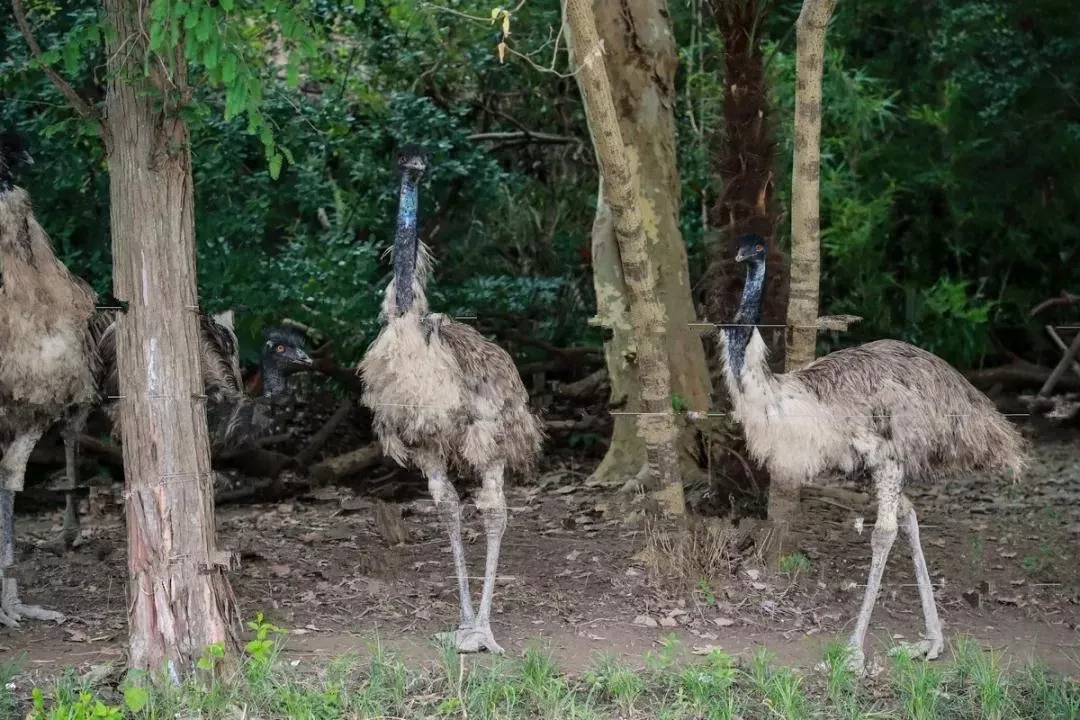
(240, 47)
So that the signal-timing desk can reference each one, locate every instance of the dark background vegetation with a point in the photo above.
(951, 145)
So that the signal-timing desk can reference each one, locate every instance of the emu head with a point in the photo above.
(751, 247)
(412, 160)
(282, 354)
(13, 154)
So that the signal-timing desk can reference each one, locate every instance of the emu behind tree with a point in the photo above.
(47, 358)
(444, 396)
(886, 407)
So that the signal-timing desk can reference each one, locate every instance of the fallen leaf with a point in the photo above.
(281, 570)
(644, 621)
(723, 622)
(669, 622)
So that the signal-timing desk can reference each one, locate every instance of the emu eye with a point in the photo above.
(280, 348)
(758, 248)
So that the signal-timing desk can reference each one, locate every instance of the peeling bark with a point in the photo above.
(641, 60)
(646, 312)
(180, 600)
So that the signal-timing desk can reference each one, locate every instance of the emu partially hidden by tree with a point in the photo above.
(886, 407)
(233, 419)
(47, 357)
(444, 396)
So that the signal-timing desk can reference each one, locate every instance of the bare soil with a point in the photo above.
(1002, 556)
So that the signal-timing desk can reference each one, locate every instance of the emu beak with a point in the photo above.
(739, 257)
(302, 358)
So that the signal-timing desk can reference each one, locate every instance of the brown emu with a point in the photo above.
(444, 396)
(47, 357)
(889, 408)
(232, 418)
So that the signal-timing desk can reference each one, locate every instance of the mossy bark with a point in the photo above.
(641, 59)
(645, 316)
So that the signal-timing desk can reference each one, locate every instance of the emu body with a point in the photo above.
(888, 408)
(47, 358)
(444, 397)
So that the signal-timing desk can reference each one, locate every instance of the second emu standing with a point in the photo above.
(444, 396)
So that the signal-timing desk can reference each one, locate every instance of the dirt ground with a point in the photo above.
(1002, 556)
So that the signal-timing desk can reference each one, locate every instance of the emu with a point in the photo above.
(233, 419)
(444, 396)
(47, 357)
(888, 408)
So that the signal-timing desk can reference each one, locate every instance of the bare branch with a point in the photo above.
(525, 136)
(81, 106)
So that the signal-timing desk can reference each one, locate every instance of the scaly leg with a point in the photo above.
(12, 474)
(71, 432)
(888, 481)
(933, 640)
(449, 508)
(492, 505)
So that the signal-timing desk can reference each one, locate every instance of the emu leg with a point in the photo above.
(449, 508)
(933, 640)
(12, 474)
(881, 540)
(492, 506)
(70, 533)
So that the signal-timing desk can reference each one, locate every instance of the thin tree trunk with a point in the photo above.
(805, 183)
(805, 235)
(180, 599)
(641, 61)
(656, 423)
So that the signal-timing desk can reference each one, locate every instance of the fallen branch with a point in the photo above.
(1065, 298)
(523, 137)
(588, 386)
(319, 439)
(338, 467)
(1018, 375)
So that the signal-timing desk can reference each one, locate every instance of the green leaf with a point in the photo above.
(206, 24)
(228, 69)
(275, 165)
(227, 5)
(292, 75)
(210, 55)
(135, 698)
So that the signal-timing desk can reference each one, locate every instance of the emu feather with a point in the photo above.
(443, 396)
(47, 359)
(888, 408)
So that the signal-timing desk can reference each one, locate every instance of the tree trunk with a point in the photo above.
(180, 600)
(805, 234)
(805, 183)
(656, 423)
(641, 61)
(746, 150)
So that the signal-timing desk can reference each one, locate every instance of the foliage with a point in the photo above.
(973, 683)
(950, 158)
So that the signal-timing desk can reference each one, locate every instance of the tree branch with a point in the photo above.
(81, 106)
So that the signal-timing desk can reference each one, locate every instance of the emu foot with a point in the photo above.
(929, 648)
(473, 640)
(12, 609)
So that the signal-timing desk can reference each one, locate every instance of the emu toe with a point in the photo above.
(12, 610)
(929, 648)
(473, 640)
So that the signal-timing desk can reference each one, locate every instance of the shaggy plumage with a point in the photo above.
(886, 407)
(47, 358)
(443, 396)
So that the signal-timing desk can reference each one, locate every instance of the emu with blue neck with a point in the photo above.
(412, 163)
(752, 252)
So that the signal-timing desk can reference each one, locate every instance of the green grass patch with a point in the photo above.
(670, 683)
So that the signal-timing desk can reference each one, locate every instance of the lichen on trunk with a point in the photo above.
(655, 422)
(641, 59)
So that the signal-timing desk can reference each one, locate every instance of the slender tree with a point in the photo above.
(641, 58)
(802, 320)
(655, 423)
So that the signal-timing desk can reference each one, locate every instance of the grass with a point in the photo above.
(669, 684)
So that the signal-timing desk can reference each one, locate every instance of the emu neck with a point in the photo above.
(273, 379)
(749, 314)
(406, 243)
